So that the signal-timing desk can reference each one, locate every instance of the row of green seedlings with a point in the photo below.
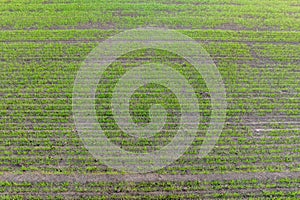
(90, 35)
(268, 188)
(129, 15)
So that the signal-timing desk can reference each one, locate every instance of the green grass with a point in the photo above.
(255, 45)
(281, 15)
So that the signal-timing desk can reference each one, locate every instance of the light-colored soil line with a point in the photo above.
(150, 177)
(264, 153)
(205, 40)
(202, 193)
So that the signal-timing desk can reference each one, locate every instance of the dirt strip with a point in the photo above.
(150, 177)
(206, 194)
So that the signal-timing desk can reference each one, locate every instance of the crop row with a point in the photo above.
(108, 187)
(94, 35)
(34, 15)
(46, 49)
(50, 166)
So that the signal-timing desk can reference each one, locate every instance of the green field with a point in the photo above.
(255, 46)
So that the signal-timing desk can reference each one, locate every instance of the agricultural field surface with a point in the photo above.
(49, 144)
